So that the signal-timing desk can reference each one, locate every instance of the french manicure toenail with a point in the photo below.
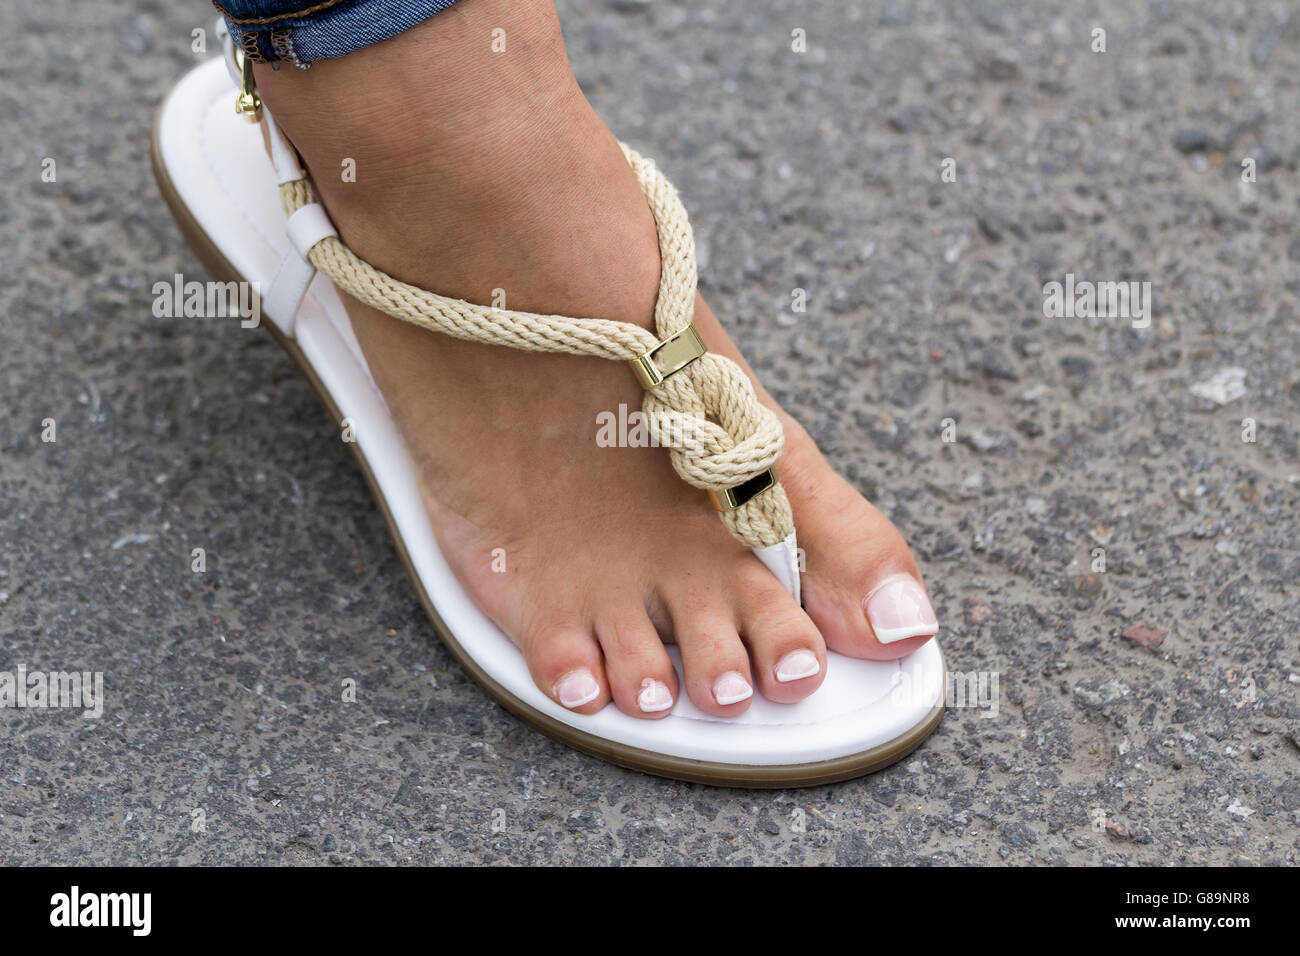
(796, 666)
(654, 697)
(731, 688)
(577, 688)
(899, 609)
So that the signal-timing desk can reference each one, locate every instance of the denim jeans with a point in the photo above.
(301, 31)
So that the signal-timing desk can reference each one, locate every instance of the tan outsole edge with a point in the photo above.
(678, 768)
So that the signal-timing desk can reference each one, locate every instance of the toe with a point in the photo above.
(898, 612)
(891, 621)
(862, 587)
(566, 664)
(870, 602)
(714, 660)
(787, 652)
(640, 673)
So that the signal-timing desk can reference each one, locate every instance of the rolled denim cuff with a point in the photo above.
(303, 31)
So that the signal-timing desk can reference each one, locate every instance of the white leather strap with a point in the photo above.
(309, 225)
(228, 50)
(283, 156)
(306, 227)
(282, 298)
(783, 560)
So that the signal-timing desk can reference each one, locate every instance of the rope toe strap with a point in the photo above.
(698, 404)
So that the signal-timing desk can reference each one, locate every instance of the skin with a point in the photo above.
(478, 171)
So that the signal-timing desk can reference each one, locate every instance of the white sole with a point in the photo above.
(217, 179)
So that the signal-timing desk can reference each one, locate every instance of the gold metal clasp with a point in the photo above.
(729, 499)
(248, 104)
(668, 357)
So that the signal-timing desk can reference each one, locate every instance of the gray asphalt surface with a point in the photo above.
(222, 740)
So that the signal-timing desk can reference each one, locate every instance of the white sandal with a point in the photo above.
(224, 192)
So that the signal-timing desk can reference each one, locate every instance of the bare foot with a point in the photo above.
(482, 174)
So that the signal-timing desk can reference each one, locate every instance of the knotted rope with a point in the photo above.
(707, 414)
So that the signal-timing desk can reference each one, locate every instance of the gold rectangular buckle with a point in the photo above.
(729, 499)
(668, 357)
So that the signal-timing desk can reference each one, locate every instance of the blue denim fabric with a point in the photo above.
(305, 30)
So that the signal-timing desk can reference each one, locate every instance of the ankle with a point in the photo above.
(436, 106)
(390, 170)
(475, 172)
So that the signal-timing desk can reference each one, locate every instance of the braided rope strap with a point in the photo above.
(719, 436)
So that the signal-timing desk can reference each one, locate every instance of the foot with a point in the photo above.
(485, 175)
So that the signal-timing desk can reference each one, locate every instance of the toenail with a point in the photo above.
(899, 609)
(731, 688)
(796, 666)
(577, 688)
(654, 697)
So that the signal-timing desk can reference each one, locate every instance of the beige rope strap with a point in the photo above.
(700, 405)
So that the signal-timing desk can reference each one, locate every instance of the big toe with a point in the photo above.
(862, 587)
